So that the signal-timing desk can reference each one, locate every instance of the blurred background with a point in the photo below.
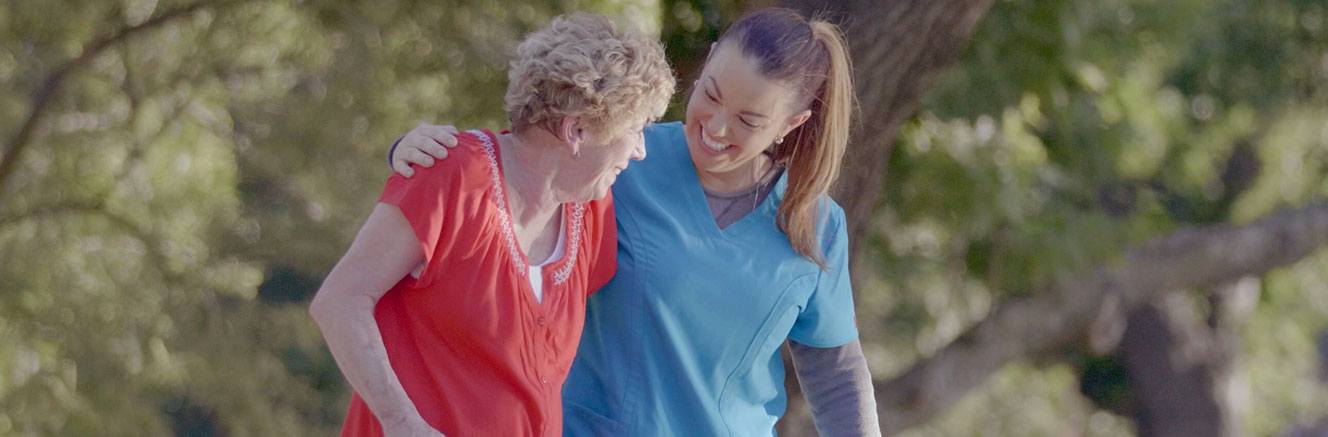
(1070, 217)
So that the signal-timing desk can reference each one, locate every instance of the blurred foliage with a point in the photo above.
(1072, 129)
(189, 188)
(689, 27)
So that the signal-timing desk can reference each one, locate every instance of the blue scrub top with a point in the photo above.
(685, 340)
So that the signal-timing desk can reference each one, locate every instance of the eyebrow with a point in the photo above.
(720, 95)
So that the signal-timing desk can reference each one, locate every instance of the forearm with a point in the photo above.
(356, 344)
(838, 387)
(382, 253)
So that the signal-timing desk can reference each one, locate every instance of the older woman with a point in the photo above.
(460, 303)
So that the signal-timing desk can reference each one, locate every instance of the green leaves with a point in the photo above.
(1071, 130)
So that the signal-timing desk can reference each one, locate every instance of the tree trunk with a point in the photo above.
(898, 48)
(1174, 389)
(1181, 369)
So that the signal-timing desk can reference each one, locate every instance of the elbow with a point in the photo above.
(333, 305)
(327, 307)
(318, 308)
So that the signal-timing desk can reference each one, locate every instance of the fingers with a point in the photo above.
(422, 146)
(417, 156)
(432, 148)
(407, 156)
(402, 167)
(431, 139)
(444, 135)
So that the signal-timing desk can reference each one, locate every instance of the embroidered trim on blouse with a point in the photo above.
(505, 220)
(560, 276)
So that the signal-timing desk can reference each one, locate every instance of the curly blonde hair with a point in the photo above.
(581, 65)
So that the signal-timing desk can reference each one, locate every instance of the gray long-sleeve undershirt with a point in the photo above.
(838, 387)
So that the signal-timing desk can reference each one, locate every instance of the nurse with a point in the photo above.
(459, 305)
(728, 247)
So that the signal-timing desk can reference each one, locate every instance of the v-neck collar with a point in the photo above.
(700, 211)
(572, 215)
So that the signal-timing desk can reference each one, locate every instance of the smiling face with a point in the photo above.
(733, 114)
(591, 88)
(591, 173)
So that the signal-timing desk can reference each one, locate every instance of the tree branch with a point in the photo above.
(54, 83)
(53, 209)
(1186, 259)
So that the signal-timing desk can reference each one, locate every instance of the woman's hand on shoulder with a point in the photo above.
(421, 146)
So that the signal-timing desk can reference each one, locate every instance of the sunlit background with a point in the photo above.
(178, 176)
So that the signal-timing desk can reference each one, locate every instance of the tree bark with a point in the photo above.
(1171, 371)
(1057, 317)
(1182, 368)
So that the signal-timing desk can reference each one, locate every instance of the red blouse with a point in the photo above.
(476, 353)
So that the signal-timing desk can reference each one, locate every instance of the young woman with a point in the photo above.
(728, 246)
(460, 303)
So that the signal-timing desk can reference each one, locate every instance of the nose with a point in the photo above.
(639, 149)
(718, 125)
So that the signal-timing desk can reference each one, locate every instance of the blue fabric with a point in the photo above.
(684, 341)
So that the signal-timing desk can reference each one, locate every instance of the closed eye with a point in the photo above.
(715, 100)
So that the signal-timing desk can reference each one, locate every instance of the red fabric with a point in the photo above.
(476, 353)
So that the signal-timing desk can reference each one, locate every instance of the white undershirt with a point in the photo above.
(536, 273)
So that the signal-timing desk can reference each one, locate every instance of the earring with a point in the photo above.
(779, 140)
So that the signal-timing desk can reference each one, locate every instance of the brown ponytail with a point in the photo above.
(812, 56)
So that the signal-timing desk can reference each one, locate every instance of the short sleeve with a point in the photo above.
(603, 243)
(427, 200)
(827, 320)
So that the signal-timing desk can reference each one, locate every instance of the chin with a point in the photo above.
(598, 192)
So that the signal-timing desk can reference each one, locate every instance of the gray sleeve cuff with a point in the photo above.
(838, 386)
